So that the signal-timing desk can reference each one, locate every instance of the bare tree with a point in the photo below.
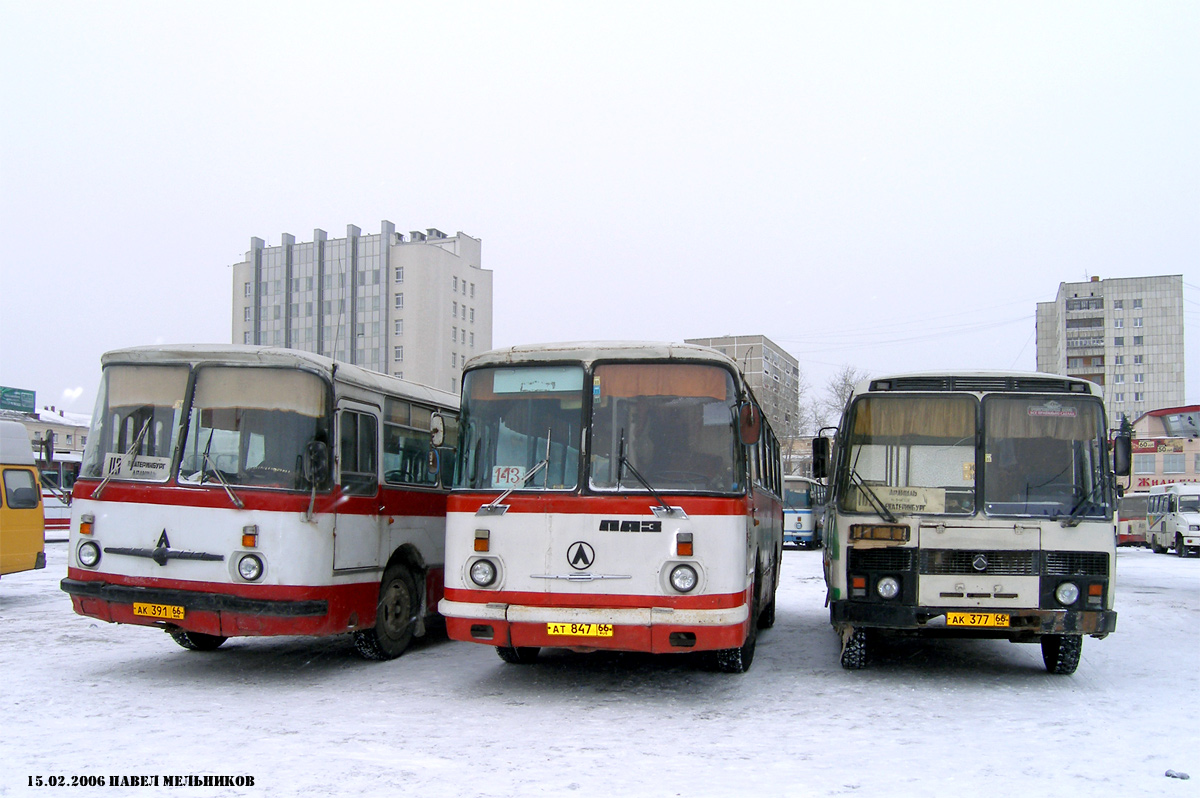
(829, 409)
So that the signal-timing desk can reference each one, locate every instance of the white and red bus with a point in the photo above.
(619, 496)
(240, 490)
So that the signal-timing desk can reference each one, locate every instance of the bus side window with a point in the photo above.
(358, 445)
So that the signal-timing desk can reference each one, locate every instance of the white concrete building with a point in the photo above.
(772, 374)
(1125, 334)
(414, 308)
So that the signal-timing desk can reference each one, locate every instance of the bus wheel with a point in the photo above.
(1180, 549)
(766, 618)
(737, 660)
(854, 650)
(195, 641)
(518, 656)
(395, 617)
(1061, 653)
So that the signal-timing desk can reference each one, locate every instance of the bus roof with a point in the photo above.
(588, 352)
(243, 355)
(1188, 488)
(979, 382)
(15, 448)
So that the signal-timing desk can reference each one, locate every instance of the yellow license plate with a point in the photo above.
(167, 611)
(580, 629)
(976, 619)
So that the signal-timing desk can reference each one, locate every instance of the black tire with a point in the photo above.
(854, 650)
(195, 641)
(395, 617)
(1061, 653)
(1180, 549)
(518, 656)
(738, 660)
(766, 618)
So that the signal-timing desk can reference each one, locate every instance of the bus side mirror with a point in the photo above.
(820, 458)
(316, 462)
(749, 423)
(1122, 454)
(437, 429)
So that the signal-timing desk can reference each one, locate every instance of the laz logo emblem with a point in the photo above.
(613, 525)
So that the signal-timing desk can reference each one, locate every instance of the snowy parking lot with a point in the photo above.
(86, 700)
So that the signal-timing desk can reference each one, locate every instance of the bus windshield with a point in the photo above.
(250, 427)
(1189, 504)
(136, 423)
(672, 424)
(911, 454)
(796, 495)
(521, 428)
(1044, 456)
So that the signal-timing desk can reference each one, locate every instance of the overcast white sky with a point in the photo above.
(887, 186)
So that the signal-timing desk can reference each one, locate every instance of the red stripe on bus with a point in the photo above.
(388, 501)
(599, 505)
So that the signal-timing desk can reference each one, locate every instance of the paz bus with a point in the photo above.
(1173, 518)
(616, 496)
(22, 535)
(972, 505)
(803, 499)
(242, 490)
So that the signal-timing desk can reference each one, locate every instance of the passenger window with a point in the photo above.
(359, 444)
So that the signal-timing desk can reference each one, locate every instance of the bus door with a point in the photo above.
(357, 520)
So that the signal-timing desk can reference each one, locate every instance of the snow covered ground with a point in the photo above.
(307, 717)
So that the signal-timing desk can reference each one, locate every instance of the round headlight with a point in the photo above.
(683, 578)
(888, 587)
(250, 567)
(89, 554)
(1067, 593)
(483, 572)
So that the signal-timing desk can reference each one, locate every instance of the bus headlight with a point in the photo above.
(1067, 593)
(888, 587)
(683, 578)
(250, 567)
(89, 554)
(483, 572)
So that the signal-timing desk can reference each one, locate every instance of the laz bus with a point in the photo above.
(1131, 519)
(618, 496)
(240, 490)
(972, 505)
(803, 500)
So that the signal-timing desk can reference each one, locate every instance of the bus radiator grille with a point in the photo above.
(995, 563)
(1076, 563)
(880, 560)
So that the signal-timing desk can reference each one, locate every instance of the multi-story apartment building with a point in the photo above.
(415, 308)
(1125, 334)
(772, 374)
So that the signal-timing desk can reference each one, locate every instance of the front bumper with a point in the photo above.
(1023, 622)
(648, 629)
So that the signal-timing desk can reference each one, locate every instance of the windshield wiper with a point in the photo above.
(623, 463)
(857, 481)
(1076, 513)
(495, 506)
(205, 461)
(133, 447)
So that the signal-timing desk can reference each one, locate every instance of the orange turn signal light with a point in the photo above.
(859, 582)
(1095, 589)
(86, 521)
(683, 544)
(482, 540)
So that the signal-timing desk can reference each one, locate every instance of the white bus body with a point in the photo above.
(1173, 518)
(618, 496)
(803, 500)
(239, 490)
(978, 505)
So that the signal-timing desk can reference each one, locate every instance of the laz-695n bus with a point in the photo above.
(240, 490)
(620, 496)
(977, 505)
